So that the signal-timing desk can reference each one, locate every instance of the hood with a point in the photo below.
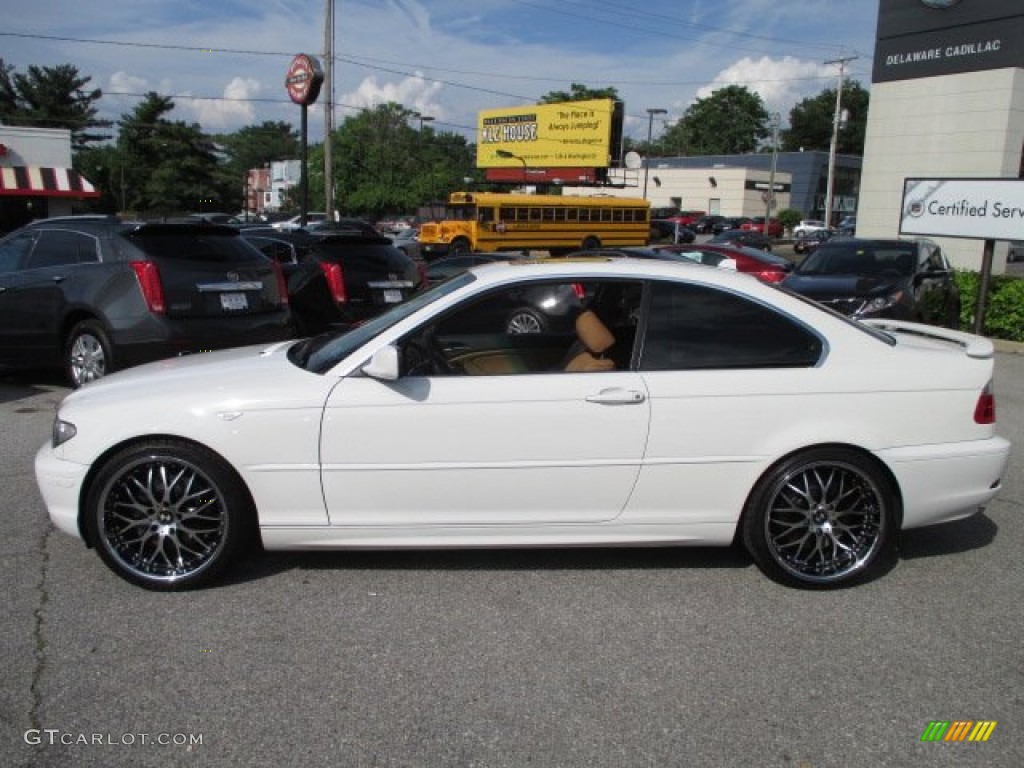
(842, 286)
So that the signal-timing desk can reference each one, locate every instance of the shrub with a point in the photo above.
(1004, 305)
(789, 218)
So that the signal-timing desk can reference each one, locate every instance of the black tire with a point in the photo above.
(822, 518)
(459, 247)
(591, 242)
(525, 320)
(88, 354)
(168, 515)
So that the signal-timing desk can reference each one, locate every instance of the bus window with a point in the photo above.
(486, 215)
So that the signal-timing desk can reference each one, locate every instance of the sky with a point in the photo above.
(223, 62)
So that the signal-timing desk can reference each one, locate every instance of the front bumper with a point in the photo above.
(60, 483)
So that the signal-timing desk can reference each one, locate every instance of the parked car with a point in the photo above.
(339, 275)
(745, 237)
(902, 279)
(756, 224)
(806, 243)
(670, 231)
(809, 226)
(705, 224)
(93, 294)
(729, 222)
(684, 406)
(847, 225)
(295, 222)
(448, 266)
(762, 264)
(406, 240)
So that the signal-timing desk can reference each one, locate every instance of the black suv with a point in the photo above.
(339, 274)
(898, 279)
(93, 294)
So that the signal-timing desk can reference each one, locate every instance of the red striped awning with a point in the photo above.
(37, 181)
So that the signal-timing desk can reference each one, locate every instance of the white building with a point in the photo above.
(36, 177)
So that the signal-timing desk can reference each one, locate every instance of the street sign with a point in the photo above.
(304, 79)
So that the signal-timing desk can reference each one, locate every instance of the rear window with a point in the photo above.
(860, 258)
(219, 245)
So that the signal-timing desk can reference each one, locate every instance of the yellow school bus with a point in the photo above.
(499, 221)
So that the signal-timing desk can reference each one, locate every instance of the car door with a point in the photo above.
(501, 446)
(14, 252)
(35, 295)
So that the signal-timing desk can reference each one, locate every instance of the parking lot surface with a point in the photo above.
(617, 658)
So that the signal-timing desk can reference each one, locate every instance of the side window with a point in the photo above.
(694, 327)
(14, 251)
(57, 248)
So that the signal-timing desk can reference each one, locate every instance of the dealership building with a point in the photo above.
(947, 101)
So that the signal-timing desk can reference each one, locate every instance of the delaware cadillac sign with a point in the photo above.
(981, 209)
(304, 79)
(926, 38)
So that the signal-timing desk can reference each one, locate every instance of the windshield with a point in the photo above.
(862, 259)
(321, 353)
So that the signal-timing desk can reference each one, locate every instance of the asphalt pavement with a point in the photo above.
(596, 658)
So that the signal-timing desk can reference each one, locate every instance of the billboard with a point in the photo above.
(981, 209)
(927, 38)
(572, 134)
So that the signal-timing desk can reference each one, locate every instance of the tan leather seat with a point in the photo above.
(596, 339)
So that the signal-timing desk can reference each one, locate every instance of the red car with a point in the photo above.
(764, 265)
(756, 224)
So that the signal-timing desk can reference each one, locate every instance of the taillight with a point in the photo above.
(282, 284)
(152, 289)
(335, 281)
(579, 291)
(771, 275)
(985, 410)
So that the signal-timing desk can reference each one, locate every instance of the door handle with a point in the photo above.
(58, 278)
(617, 397)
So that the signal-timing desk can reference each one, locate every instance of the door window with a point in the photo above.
(692, 327)
(57, 248)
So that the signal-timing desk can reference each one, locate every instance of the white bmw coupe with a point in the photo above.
(652, 403)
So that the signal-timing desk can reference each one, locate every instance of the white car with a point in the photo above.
(666, 403)
(295, 222)
(809, 226)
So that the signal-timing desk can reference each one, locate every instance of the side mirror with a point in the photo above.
(384, 364)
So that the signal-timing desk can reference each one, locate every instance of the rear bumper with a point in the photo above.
(947, 482)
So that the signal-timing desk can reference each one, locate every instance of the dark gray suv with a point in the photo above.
(92, 294)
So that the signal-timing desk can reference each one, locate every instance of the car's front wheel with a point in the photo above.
(167, 514)
(822, 518)
(88, 354)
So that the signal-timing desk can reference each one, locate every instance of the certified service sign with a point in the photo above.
(304, 79)
(981, 209)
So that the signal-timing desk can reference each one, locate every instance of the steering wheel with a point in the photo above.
(424, 356)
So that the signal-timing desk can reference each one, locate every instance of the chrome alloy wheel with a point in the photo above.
(524, 322)
(825, 521)
(88, 359)
(162, 519)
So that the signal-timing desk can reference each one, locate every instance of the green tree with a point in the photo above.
(257, 145)
(732, 120)
(810, 121)
(578, 92)
(52, 97)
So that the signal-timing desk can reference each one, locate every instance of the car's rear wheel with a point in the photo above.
(822, 518)
(88, 354)
(167, 514)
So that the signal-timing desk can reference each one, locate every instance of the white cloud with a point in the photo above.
(231, 111)
(416, 93)
(780, 83)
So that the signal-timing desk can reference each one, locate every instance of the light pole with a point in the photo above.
(651, 112)
(836, 119)
(504, 153)
(430, 171)
(769, 202)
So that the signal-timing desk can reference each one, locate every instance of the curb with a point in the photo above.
(1008, 347)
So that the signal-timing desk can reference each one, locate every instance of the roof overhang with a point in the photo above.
(40, 181)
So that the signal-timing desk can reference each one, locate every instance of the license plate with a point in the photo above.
(392, 297)
(234, 301)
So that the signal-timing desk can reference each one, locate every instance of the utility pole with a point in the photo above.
(329, 111)
(647, 155)
(769, 201)
(835, 137)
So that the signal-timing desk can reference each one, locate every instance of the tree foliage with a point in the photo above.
(811, 121)
(52, 97)
(578, 92)
(254, 146)
(732, 120)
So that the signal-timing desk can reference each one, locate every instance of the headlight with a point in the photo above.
(882, 302)
(62, 431)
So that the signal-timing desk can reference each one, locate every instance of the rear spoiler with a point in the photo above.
(974, 346)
